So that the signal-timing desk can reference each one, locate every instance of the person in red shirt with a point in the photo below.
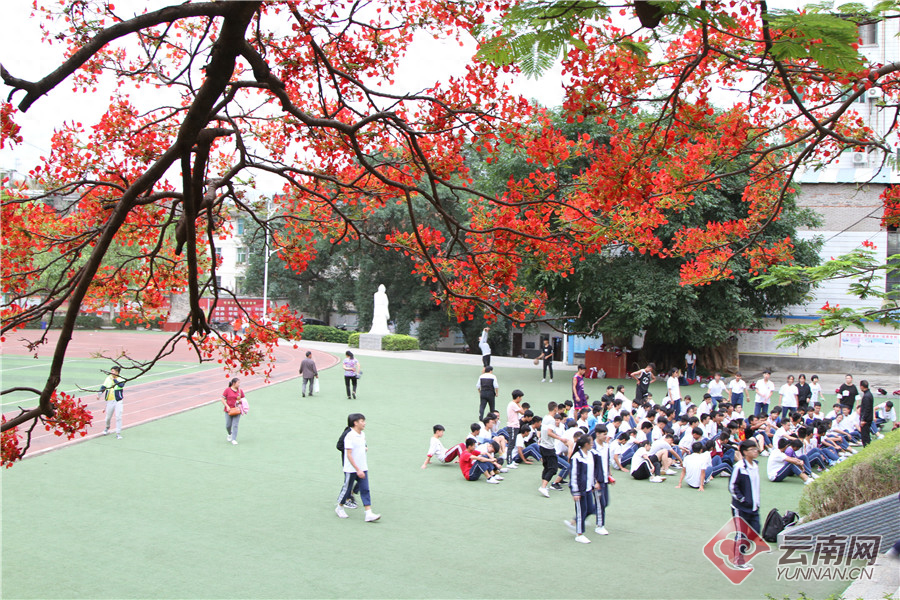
(473, 463)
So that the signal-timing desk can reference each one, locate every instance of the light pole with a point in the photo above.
(265, 307)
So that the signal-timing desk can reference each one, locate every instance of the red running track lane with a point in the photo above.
(145, 402)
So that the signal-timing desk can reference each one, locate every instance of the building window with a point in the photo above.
(238, 285)
(241, 256)
(868, 34)
(240, 227)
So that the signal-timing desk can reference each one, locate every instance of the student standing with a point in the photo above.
(602, 453)
(487, 387)
(848, 393)
(764, 389)
(737, 386)
(351, 373)
(744, 489)
(356, 468)
(690, 364)
(579, 397)
(716, 389)
(788, 393)
(866, 412)
(582, 484)
(804, 393)
(549, 458)
(644, 377)
(547, 358)
(309, 373)
(231, 398)
(514, 411)
(674, 390)
(112, 391)
(485, 347)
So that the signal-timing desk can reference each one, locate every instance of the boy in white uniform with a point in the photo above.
(356, 468)
(764, 389)
(788, 393)
(437, 451)
(716, 389)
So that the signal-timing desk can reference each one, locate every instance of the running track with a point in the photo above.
(145, 402)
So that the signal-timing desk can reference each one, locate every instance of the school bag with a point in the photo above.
(773, 526)
(340, 442)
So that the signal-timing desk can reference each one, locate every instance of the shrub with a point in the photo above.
(353, 340)
(323, 333)
(397, 342)
(88, 321)
(872, 473)
(139, 322)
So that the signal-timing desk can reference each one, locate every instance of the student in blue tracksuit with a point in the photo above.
(582, 484)
(744, 489)
(602, 460)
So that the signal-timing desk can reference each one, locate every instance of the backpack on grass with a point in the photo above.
(773, 526)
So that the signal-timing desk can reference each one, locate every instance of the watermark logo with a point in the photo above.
(827, 557)
(731, 549)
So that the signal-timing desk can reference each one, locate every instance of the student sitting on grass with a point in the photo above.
(437, 451)
(473, 463)
(624, 449)
(781, 466)
(645, 465)
(698, 469)
(526, 447)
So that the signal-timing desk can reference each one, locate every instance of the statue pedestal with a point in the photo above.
(370, 341)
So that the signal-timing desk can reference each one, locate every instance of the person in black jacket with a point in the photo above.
(866, 412)
(744, 489)
(582, 484)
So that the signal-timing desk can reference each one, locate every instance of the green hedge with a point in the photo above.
(353, 340)
(397, 342)
(322, 333)
(872, 473)
(81, 322)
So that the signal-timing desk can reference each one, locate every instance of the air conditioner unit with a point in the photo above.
(874, 93)
(860, 158)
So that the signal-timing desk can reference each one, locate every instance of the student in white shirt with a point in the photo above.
(698, 469)
(788, 393)
(764, 389)
(674, 389)
(437, 451)
(816, 389)
(645, 465)
(781, 466)
(706, 405)
(737, 386)
(716, 389)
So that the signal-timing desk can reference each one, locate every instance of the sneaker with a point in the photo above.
(504, 469)
(339, 511)
(724, 474)
(497, 478)
(303, 394)
(348, 397)
(808, 481)
(581, 539)
(234, 442)
(556, 486)
(744, 567)
(105, 432)
(543, 380)
(119, 437)
(228, 438)
(350, 504)
(655, 479)
(880, 436)
(492, 480)
(601, 530)
(569, 525)
(670, 472)
(354, 397)
(513, 465)
(544, 492)
(764, 453)
(372, 517)
(551, 381)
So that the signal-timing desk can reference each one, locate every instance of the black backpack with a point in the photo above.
(773, 526)
(340, 442)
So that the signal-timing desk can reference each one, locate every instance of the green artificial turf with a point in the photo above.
(173, 511)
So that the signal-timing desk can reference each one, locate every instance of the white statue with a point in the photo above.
(380, 315)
